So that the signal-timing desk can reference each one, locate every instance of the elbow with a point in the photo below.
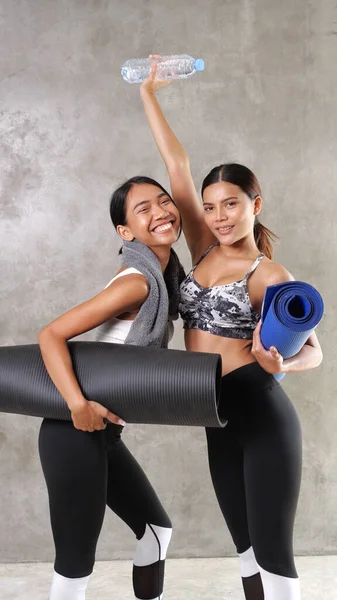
(179, 163)
(319, 356)
(316, 356)
(43, 336)
(46, 336)
(318, 353)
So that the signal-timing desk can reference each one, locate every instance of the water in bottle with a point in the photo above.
(177, 66)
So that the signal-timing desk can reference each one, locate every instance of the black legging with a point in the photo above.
(84, 472)
(255, 464)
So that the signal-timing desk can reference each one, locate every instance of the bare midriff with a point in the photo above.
(235, 353)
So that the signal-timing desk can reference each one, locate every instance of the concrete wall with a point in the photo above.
(71, 130)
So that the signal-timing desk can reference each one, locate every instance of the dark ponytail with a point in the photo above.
(264, 239)
(247, 181)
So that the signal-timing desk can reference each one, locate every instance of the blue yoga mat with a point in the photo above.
(290, 313)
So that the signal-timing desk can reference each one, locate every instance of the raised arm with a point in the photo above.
(124, 295)
(184, 194)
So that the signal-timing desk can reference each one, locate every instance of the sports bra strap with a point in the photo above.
(254, 265)
(251, 270)
(205, 254)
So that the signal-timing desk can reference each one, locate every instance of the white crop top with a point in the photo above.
(115, 330)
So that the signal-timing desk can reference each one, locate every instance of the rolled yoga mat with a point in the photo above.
(140, 385)
(290, 313)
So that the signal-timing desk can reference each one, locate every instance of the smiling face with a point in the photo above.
(229, 212)
(151, 217)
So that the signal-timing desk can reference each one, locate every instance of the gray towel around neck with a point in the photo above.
(150, 327)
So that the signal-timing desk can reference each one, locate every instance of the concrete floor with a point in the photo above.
(186, 579)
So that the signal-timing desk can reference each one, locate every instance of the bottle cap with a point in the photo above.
(124, 72)
(199, 64)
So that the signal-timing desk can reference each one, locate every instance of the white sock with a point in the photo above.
(276, 587)
(248, 564)
(65, 588)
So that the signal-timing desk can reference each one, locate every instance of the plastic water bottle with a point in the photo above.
(177, 66)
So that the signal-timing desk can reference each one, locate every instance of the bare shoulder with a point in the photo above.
(134, 284)
(271, 273)
(268, 273)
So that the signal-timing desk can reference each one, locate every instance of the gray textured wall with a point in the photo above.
(71, 130)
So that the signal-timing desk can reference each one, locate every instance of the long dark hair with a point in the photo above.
(245, 179)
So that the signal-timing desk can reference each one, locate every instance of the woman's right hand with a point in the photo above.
(89, 415)
(152, 84)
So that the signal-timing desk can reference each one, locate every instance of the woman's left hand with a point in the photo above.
(152, 84)
(270, 360)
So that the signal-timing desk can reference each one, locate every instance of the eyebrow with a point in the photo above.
(222, 201)
(161, 195)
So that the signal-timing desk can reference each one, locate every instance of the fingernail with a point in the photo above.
(121, 422)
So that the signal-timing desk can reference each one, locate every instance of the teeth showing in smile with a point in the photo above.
(221, 229)
(163, 228)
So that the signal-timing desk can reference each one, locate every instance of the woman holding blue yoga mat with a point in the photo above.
(85, 462)
(255, 461)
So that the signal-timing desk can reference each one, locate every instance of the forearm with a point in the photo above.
(168, 145)
(57, 360)
(308, 358)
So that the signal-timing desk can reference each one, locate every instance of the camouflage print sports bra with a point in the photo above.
(224, 310)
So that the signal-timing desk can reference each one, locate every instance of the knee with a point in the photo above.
(75, 564)
(276, 562)
(153, 545)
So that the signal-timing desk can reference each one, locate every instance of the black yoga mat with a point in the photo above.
(141, 385)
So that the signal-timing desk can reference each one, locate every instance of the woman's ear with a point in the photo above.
(125, 233)
(257, 205)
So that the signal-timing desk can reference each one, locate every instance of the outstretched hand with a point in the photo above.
(270, 360)
(152, 84)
